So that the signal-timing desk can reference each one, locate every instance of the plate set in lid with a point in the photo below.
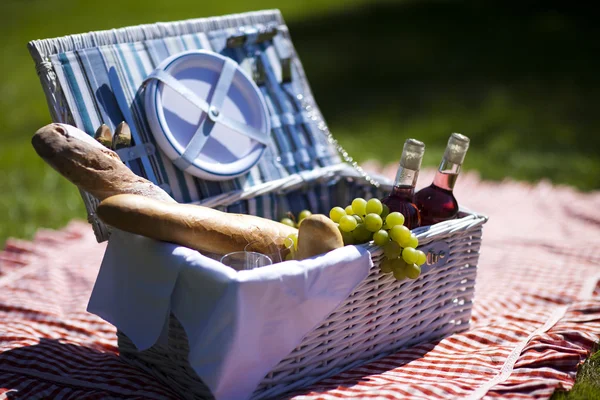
(207, 115)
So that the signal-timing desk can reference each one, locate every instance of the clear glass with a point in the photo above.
(245, 260)
(277, 251)
(406, 177)
(446, 175)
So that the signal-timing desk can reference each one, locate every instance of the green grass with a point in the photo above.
(521, 81)
(27, 202)
(587, 381)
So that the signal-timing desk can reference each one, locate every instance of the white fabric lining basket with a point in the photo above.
(378, 318)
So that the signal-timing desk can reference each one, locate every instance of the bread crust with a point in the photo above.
(317, 235)
(89, 165)
(197, 227)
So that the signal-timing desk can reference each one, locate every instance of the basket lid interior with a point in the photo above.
(261, 47)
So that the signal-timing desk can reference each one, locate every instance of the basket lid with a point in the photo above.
(207, 115)
(259, 46)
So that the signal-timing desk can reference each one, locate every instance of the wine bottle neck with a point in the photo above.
(446, 175)
(406, 177)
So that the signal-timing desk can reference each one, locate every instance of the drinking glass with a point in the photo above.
(277, 251)
(245, 260)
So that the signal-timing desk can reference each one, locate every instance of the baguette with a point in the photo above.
(197, 227)
(89, 165)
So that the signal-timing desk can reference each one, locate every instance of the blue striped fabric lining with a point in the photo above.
(318, 197)
(297, 144)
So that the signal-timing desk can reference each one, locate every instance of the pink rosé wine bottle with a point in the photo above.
(436, 202)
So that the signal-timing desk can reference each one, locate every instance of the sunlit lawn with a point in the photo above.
(520, 82)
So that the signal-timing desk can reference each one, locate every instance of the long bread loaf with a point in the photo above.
(89, 165)
(196, 227)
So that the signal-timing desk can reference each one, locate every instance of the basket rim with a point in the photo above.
(41, 49)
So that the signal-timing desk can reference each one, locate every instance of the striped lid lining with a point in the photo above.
(296, 142)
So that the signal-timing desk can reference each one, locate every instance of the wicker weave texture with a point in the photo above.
(381, 316)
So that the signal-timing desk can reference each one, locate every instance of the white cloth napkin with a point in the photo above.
(240, 325)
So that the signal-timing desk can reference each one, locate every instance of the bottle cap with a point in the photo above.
(412, 154)
(457, 148)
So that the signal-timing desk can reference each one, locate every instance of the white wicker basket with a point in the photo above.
(378, 318)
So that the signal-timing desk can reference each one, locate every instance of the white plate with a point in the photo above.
(174, 120)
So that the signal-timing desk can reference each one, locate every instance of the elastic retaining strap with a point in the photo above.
(134, 152)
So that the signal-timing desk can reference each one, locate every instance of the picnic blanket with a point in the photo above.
(535, 318)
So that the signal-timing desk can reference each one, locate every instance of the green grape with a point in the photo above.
(413, 271)
(399, 269)
(336, 213)
(385, 212)
(361, 234)
(398, 263)
(392, 250)
(288, 222)
(374, 206)
(405, 241)
(359, 205)
(414, 242)
(381, 237)
(357, 218)
(409, 254)
(294, 238)
(399, 274)
(394, 219)
(386, 266)
(347, 238)
(348, 223)
(303, 214)
(349, 210)
(421, 258)
(373, 222)
(400, 234)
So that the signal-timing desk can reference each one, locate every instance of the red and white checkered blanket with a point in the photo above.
(536, 312)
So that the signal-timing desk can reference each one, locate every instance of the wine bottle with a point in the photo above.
(401, 197)
(436, 202)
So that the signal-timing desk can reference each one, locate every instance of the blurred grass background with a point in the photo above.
(519, 78)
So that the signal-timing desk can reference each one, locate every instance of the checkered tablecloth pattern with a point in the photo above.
(535, 318)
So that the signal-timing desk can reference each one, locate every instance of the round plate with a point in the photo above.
(174, 120)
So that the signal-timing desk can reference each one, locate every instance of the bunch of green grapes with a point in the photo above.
(363, 221)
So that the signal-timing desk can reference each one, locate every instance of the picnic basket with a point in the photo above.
(304, 168)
